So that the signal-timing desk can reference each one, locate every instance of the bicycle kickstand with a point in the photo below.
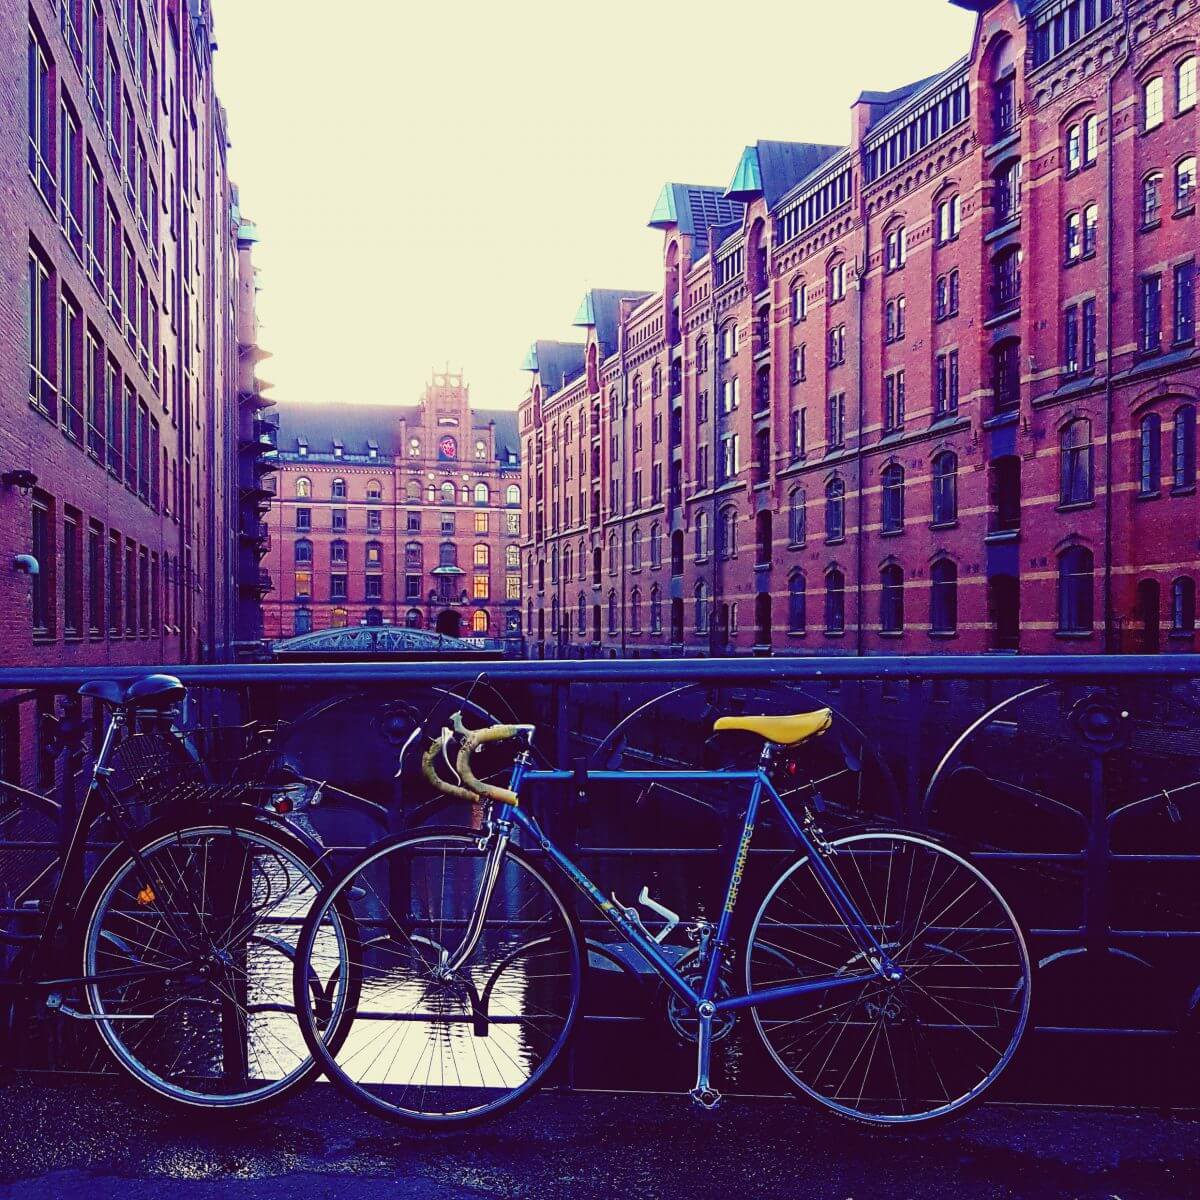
(704, 1094)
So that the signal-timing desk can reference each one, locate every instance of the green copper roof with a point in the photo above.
(531, 362)
(585, 315)
(665, 214)
(747, 179)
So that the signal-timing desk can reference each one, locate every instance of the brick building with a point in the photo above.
(933, 389)
(397, 514)
(123, 336)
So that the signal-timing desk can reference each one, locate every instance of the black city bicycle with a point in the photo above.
(178, 947)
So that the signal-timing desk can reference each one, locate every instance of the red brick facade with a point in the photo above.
(935, 389)
(397, 515)
(119, 352)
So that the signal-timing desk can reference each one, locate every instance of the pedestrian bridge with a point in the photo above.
(382, 642)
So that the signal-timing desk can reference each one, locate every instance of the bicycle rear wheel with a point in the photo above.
(400, 1036)
(892, 1053)
(188, 940)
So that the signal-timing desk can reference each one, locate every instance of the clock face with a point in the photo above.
(447, 448)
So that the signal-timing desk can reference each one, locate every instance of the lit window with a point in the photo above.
(1185, 84)
(1152, 103)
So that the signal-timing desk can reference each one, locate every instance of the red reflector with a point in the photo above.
(283, 806)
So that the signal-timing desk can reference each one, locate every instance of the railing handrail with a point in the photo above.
(698, 670)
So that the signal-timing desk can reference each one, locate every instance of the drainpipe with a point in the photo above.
(623, 490)
(715, 447)
(860, 389)
(1110, 642)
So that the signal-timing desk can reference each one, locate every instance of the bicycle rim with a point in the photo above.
(400, 1037)
(215, 910)
(892, 1053)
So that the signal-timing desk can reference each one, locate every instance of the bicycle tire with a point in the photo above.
(97, 937)
(325, 1046)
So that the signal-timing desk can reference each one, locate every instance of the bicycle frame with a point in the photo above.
(505, 816)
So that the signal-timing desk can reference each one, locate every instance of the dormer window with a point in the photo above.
(372, 449)
(301, 447)
(338, 449)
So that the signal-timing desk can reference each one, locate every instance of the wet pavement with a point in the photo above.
(101, 1140)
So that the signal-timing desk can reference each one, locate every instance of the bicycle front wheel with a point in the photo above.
(891, 1053)
(400, 1034)
(188, 950)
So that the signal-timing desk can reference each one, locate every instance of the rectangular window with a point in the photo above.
(1151, 313)
(374, 587)
(1185, 302)
(893, 404)
(835, 422)
(480, 587)
(798, 432)
(95, 578)
(70, 210)
(1152, 103)
(41, 584)
(70, 374)
(41, 337)
(946, 384)
(72, 575)
(131, 590)
(337, 587)
(144, 592)
(481, 522)
(337, 519)
(39, 118)
(304, 518)
(1071, 340)
(114, 584)
(303, 585)
(1088, 338)
(113, 424)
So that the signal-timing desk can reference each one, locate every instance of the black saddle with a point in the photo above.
(151, 691)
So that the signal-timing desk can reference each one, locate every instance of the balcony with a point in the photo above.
(1069, 780)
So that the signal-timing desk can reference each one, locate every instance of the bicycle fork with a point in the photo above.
(451, 962)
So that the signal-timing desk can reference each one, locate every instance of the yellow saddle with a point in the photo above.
(782, 731)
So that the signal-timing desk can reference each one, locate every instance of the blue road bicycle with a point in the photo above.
(886, 976)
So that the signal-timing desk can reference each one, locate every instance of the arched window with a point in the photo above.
(835, 601)
(1006, 375)
(945, 488)
(304, 622)
(612, 611)
(1183, 605)
(512, 558)
(727, 532)
(303, 550)
(892, 507)
(1185, 184)
(303, 488)
(597, 557)
(481, 493)
(728, 341)
(701, 354)
(1004, 87)
(677, 552)
(764, 537)
(655, 546)
(447, 555)
(412, 492)
(835, 510)
(374, 555)
(1149, 454)
(947, 219)
(566, 562)
(338, 550)
(374, 489)
(529, 617)
(635, 549)
(797, 603)
(1183, 447)
(656, 381)
(482, 554)
(655, 609)
(797, 517)
(412, 619)
(1075, 462)
(582, 613)
(799, 301)
(412, 556)
(701, 598)
(373, 617)
(339, 618)
(338, 489)
(1152, 103)
(635, 611)
(612, 553)
(891, 599)
(554, 618)
(512, 494)
(943, 596)
(479, 620)
(1075, 571)
(1074, 153)
(701, 535)
(541, 575)
(1151, 198)
(447, 492)
(1185, 84)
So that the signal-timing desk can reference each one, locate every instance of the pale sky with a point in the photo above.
(441, 182)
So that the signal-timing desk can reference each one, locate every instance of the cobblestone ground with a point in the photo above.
(102, 1140)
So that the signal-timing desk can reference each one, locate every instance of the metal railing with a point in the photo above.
(1074, 780)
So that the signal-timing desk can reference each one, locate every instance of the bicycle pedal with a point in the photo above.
(706, 1098)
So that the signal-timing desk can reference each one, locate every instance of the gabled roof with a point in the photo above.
(693, 209)
(1024, 7)
(555, 363)
(358, 426)
(769, 169)
(600, 309)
